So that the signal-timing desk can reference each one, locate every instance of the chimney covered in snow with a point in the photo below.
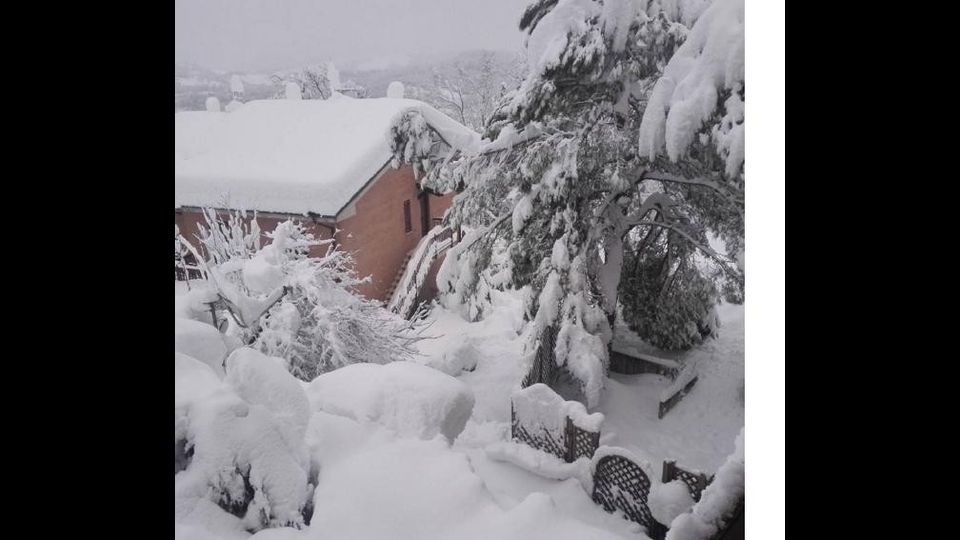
(293, 91)
(213, 104)
(395, 90)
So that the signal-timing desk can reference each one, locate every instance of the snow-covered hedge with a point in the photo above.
(408, 398)
(241, 444)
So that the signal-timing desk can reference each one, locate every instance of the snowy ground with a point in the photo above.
(437, 492)
(374, 482)
(377, 483)
(699, 432)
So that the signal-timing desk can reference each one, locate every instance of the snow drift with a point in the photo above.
(408, 398)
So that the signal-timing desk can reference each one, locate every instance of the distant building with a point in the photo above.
(325, 162)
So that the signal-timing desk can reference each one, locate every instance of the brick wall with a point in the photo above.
(189, 219)
(375, 233)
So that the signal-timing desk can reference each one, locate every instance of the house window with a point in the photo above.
(407, 220)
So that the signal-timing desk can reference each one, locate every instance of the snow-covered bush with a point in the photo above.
(408, 398)
(300, 308)
(670, 308)
(320, 324)
(240, 442)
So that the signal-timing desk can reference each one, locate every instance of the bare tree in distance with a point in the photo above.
(470, 89)
(314, 83)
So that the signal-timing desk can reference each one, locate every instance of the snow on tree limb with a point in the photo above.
(725, 263)
(685, 108)
(723, 189)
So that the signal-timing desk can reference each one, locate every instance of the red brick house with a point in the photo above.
(328, 164)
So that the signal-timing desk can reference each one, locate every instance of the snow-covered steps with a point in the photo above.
(400, 271)
(404, 294)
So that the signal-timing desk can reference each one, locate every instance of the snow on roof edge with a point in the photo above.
(294, 157)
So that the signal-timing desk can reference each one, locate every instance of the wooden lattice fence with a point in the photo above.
(620, 484)
(537, 437)
(544, 368)
(580, 442)
(552, 425)
(695, 481)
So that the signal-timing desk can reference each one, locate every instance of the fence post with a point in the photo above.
(668, 468)
(570, 436)
(213, 314)
(701, 485)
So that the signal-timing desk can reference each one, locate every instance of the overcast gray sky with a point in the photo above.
(259, 35)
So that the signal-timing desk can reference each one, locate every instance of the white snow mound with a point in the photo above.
(408, 398)
(193, 380)
(669, 500)
(201, 341)
(262, 380)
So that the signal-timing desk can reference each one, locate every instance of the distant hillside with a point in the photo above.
(421, 73)
(193, 85)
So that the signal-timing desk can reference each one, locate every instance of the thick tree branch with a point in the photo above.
(724, 262)
(727, 192)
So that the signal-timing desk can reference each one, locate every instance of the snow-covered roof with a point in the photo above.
(293, 156)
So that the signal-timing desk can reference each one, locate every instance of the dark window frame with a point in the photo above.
(407, 217)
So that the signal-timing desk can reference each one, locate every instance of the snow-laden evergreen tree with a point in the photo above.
(623, 142)
(288, 304)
